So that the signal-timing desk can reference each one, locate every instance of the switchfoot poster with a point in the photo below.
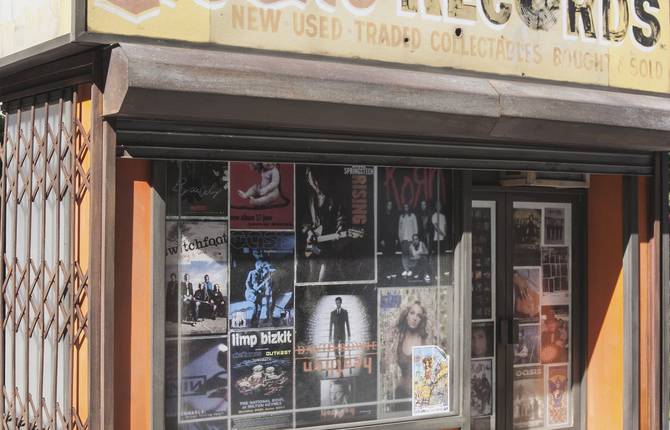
(407, 317)
(413, 225)
(261, 277)
(261, 196)
(335, 222)
(196, 261)
(262, 370)
(197, 188)
(558, 393)
(430, 380)
(336, 354)
(528, 400)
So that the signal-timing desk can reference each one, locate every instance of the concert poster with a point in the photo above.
(527, 347)
(413, 226)
(481, 387)
(336, 354)
(262, 422)
(554, 227)
(526, 282)
(204, 378)
(555, 334)
(527, 236)
(430, 380)
(405, 316)
(261, 196)
(482, 306)
(197, 188)
(558, 393)
(261, 364)
(483, 339)
(261, 276)
(196, 261)
(555, 271)
(528, 401)
(335, 224)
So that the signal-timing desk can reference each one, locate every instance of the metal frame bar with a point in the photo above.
(158, 211)
(663, 258)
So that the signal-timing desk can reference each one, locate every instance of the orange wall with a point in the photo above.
(604, 359)
(132, 348)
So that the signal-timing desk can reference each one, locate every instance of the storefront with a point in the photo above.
(294, 214)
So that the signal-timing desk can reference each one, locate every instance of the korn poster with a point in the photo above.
(335, 224)
(261, 196)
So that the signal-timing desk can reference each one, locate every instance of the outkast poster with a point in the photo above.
(335, 224)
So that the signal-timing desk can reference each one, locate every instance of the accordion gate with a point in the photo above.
(46, 231)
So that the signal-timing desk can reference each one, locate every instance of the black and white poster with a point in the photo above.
(556, 271)
(481, 384)
(197, 189)
(336, 354)
(335, 222)
(527, 236)
(261, 364)
(261, 277)
(554, 226)
(482, 268)
(528, 401)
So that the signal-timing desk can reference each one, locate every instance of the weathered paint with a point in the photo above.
(26, 23)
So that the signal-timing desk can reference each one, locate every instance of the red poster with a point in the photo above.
(261, 196)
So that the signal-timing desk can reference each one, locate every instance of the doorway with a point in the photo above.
(527, 254)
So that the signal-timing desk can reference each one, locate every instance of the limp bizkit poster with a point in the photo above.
(261, 277)
(262, 369)
(430, 380)
(413, 225)
(335, 224)
(197, 188)
(197, 277)
(261, 196)
(336, 354)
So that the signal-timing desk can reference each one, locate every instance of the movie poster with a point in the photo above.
(261, 364)
(336, 354)
(196, 261)
(197, 188)
(555, 271)
(555, 334)
(481, 387)
(406, 315)
(261, 196)
(527, 235)
(204, 378)
(261, 276)
(554, 227)
(483, 340)
(558, 395)
(528, 400)
(482, 269)
(526, 282)
(430, 380)
(527, 347)
(414, 226)
(335, 224)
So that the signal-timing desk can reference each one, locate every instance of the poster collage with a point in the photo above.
(542, 288)
(483, 362)
(301, 295)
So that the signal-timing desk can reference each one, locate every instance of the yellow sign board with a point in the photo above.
(26, 23)
(618, 43)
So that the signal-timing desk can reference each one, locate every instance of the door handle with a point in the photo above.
(508, 331)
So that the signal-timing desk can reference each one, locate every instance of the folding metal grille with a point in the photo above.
(45, 263)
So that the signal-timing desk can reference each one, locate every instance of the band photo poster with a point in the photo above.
(283, 304)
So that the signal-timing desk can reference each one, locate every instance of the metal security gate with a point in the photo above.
(45, 265)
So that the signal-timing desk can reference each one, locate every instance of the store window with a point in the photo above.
(301, 295)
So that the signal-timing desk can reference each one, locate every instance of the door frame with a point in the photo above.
(504, 199)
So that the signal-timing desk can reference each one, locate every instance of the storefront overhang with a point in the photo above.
(253, 90)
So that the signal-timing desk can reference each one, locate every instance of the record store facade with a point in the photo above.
(335, 214)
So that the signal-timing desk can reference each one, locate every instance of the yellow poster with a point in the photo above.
(619, 43)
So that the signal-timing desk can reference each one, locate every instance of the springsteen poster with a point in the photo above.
(197, 188)
(261, 277)
(336, 354)
(196, 262)
(335, 224)
(262, 369)
(261, 196)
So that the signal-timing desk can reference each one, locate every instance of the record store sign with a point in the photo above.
(619, 43)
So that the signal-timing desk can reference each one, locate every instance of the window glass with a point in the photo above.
(303, 295)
